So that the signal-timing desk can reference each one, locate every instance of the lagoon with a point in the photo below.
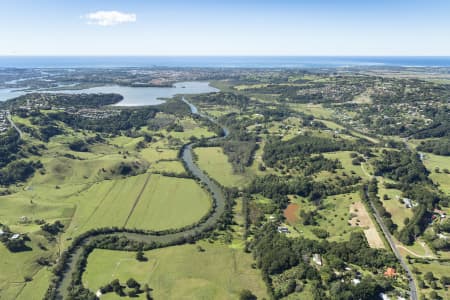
(133, 96)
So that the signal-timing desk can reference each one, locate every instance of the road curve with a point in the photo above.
(387, 234)
(215, 190)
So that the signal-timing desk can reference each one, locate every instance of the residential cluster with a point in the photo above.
(38, 103)
(44, 103)
(4, 123)
(333, 92)
(93, 113)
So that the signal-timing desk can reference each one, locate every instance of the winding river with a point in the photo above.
(164, 238)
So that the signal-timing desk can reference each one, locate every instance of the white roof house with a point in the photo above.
(15, 236)
(317, 259)
(408, 202)
(282, 229)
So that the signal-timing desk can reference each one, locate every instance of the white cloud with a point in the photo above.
(109, 18)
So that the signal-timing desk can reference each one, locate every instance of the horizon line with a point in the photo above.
(215, 55)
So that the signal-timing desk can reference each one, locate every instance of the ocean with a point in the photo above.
(221, 61)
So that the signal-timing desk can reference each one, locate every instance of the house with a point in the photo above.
(356, 281)
(421, 156)
(408, 202)
(384, 296)
(439, 235)
(390, 272)
(15, 236)
(1, 232)
(440, 213)
(282, 229)
(317, 259)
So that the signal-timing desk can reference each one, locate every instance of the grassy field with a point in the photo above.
(438, 270)
(169, 202)
(160, 203)
(174, 272)
(167, 166)
(80, 190)
(363, 98)
(346, 161)
(397, 210)
(317, 110)
(14, 267)
(36, 289)
(334, 217)
(158, 151)
(432, 161)
(215, 163)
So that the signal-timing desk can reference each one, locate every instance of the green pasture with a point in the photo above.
(432, 162)
(317, 110)
(397, 210)
(14, 267)
(158, 151)
(346, 161)
(169, 202)
(174, 166)
(334, 217)
(36, 288)
(174, 272)
(148, 201)
(438, 269)
(215, 163)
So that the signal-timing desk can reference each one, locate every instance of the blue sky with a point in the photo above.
(246, 27)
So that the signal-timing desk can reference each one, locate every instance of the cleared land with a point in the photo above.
(174, 273)
(438, 270)
(397, 210)
(215, 163)
(171, 166)
(333, 217)
(432, 162)
(363, 98)
(362, 219)
(169, 202)
(36, 289)
(16, 266)
(291, 213)
(317, 110)
(161, 203)
(346, 161)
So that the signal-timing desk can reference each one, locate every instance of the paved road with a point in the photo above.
(8, 116)
(387, 234)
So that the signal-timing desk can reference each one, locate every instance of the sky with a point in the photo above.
(230, 27)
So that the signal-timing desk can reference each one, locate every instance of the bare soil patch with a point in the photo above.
(291, 213)
(362, 219)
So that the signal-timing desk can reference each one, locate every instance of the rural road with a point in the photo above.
(8, 116)
(74, 254)
(387, 234)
